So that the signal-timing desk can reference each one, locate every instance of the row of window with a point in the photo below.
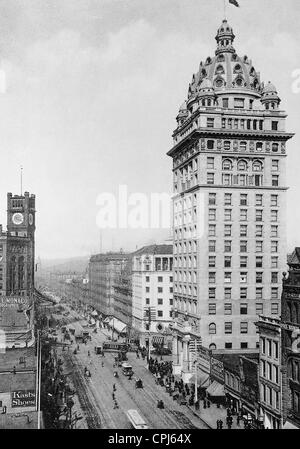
(212, 232)
(243, 293)
(244, 199)
(159, 289)
(259, 309)
(228, 327)
(241, 165)
(241, 180)
(243, 246)
(270, 396)
(159, 279)
(269, 347)
(228, 145)
(259, 278)
(160, 301)
(258, 214)
(259, 262)
(269, 371)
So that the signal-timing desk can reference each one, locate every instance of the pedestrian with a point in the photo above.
(114, 387)
(204, 403)
(221, 424)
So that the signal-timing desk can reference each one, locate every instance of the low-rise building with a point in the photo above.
(270, 372)
(290, 324)
(152, 293)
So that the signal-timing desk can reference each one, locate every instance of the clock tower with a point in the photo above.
(21, 215)
(20, 230)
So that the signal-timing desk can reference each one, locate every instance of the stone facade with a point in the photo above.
(229, 158)
(291, 343)
(152, 289)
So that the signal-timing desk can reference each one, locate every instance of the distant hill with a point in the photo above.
(71, 265)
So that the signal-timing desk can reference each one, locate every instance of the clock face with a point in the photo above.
(17, 218)
(30, 219)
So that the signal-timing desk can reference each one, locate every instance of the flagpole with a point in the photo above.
(224, 1)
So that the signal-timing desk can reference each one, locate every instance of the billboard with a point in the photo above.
(23, 398)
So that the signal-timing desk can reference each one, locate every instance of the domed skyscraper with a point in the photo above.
(229, 158)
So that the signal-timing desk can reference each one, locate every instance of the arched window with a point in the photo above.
(212, 347)
(212, 329)
(203, 72)
(233, 57)
(289, 312)
(275, 147)
(242, 165)
(237, 69)
(21, 273)
(208, 61)
(209, 102)
(295, 313)
(227, 164)
(257, 166)
(221, 58)
(290, 369)
(219, 82)
(259, 146)
(220, 70)
(239, 81)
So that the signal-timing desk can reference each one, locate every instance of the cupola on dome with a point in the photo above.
(269, 88)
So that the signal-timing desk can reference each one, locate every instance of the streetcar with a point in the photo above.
(136, 420)
(127, 369)
(114, 346)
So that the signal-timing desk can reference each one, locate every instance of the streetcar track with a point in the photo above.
(91, 414)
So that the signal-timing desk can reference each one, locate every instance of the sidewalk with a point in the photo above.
(212, 414)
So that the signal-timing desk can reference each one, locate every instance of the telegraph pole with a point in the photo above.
(149, 323)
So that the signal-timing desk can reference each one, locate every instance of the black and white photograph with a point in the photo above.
(150, 219)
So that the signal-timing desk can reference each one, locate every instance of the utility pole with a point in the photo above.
(149, 323)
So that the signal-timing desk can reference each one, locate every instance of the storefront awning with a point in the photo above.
(289, 425)
(106, 320)
(215, 389)
(94, 313)
(202, 379)
(118, 325)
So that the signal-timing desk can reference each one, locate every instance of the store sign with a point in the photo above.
(23, 398)
(217, 370)
(14, 301)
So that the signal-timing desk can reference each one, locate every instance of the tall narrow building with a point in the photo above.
(229, 217)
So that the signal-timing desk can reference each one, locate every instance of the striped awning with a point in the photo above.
(215, 389)
(289, 425)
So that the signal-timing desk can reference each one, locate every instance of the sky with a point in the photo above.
(89, 93)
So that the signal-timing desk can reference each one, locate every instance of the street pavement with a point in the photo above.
(95, 396)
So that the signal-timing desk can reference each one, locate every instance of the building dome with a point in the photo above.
(225, 30)
(226, 71)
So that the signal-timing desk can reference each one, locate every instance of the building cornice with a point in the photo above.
(225, 133)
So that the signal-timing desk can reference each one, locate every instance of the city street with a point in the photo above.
(95, 393)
